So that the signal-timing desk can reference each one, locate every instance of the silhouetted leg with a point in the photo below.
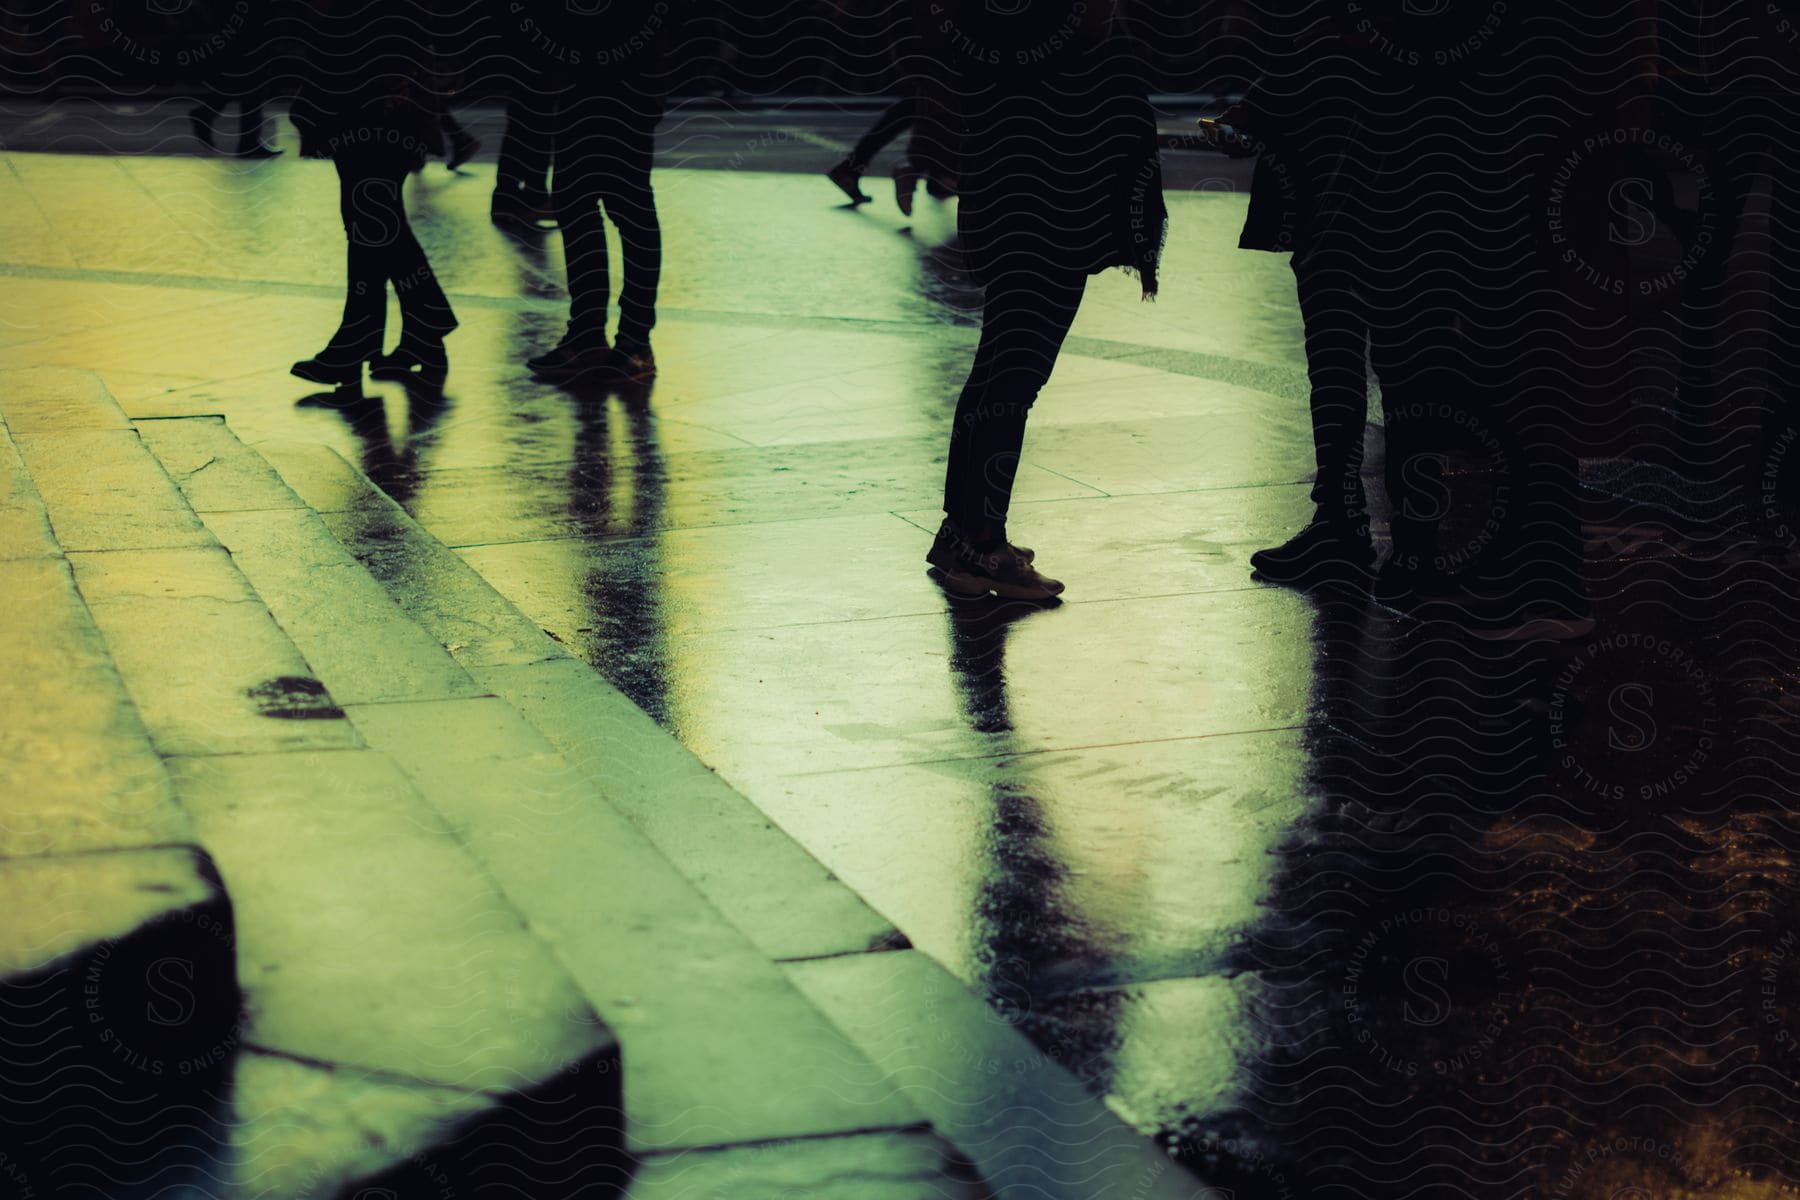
(603, 158)
(1027, 315)
(631, 203)
(1337, 338)
(894, 118)
(369, 202)
(250, 117)
(522, 177)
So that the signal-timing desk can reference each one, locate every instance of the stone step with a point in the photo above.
(412, 1029)
(112, 967)
(723, 1049)
(765, 883)
(1026, 1125)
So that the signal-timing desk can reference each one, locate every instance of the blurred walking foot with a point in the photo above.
(906, 182)
(848, 176)
(463, 147)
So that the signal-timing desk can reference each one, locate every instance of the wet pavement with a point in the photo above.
(1328, 899)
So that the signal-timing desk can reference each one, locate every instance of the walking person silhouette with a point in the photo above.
(1061, 180)
(368, 93)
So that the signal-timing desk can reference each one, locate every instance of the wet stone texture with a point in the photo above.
(1327, 898)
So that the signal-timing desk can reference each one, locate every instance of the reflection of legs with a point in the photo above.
(1028, 313)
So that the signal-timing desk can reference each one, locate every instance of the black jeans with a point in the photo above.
(1028, 313)
(382, 250)
(604, 147)
(1337, 338)
(522, 174)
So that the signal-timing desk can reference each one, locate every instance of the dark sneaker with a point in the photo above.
(849, 181)
(1322, 552)
(575, 356)
(1004, 571)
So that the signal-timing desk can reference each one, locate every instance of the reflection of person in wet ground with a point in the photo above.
(367, 93)
(1061, 180)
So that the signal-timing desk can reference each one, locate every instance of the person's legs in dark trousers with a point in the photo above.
(381, 248)
(605, 148)
(522, 177)
(847, 172)
(894, 118)
(1027, 315)
(1337, 337)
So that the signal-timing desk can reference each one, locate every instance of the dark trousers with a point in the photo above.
(1027, 315)
(604, 148)
(211, 102)
(383, 250)
(523, 172)
(896, 117)
(1337, 338)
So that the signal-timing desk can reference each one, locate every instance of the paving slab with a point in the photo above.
(647, 949)
(874, 1166)
(56, 400)
(77, 771)
(369, 937)
(206, 665)
(435, 589)
(358, 643)
(782, 898)
(213, 469)
(1030, 1128)
(596, 499)
(104, 491)
(24, 526)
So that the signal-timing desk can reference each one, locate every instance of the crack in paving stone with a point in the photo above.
(294, 698)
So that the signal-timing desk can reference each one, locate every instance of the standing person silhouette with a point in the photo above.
(368, 95)
(605, 141)
(1060, 180)
(1303, 118)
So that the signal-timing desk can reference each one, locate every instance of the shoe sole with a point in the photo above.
(1538, 629)
(971, 587)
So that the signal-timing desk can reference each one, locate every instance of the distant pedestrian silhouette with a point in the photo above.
(604, 144)
(1061, 180)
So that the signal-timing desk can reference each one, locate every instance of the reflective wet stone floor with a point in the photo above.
(1327, 899)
